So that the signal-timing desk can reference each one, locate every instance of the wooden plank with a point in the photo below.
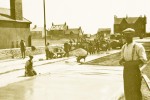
(146, 80)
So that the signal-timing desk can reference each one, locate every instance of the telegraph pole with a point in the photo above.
(44, 21)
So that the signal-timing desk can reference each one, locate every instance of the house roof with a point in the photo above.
(73, 30)
(104, 29)
(37, 29)
(129, 20)
(5, 16)
(59, 27)
(118, 20)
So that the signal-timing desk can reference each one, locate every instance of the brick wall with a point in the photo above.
(16, 9)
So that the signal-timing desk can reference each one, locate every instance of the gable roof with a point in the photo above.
(74, 30)
(118, 20)
(5, 16)
(104, 29)
(37, 29)
(59, 27)
(129, 20)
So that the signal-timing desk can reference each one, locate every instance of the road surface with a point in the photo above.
(67, 80)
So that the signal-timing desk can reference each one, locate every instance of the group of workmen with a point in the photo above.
(133, 55)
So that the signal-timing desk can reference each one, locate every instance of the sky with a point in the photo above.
(89, 14)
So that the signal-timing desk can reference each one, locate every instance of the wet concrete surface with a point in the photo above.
(68, 80)
(64, 80)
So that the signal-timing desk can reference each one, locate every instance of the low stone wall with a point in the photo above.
(16, 52)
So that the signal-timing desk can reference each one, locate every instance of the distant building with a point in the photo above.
(38, 32)
(103, 32)
(62, 30)
(137, 23)
(13, 27)
(87, 35)
(74, 32)
(58, 30)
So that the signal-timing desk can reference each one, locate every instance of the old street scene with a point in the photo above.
(74, 50)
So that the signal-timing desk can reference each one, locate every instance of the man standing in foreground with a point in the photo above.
(132, 56)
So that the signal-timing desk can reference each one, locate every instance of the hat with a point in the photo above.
(30, 56)
(128, 30)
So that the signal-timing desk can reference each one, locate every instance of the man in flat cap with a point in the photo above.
(132, 56)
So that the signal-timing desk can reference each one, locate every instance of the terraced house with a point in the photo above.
(137, 23)
(58, 30)
(103, 33)
(63, 31)
(74, 32)
(38, 32)
(13, 27)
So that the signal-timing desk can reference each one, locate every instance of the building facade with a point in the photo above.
(38, 32)
(58, 30)
(74, 32)
(103, 33)
(63, 31)
(13, 27)
(137, 23)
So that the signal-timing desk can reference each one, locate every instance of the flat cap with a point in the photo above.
(128, 30)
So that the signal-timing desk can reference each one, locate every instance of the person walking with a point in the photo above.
(132, 56)
(29, 71)
(23, 48)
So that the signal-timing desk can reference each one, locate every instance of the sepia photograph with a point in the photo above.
(75, 49)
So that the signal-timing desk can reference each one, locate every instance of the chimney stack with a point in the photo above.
(16, 9)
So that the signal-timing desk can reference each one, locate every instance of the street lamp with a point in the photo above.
(44, 21)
